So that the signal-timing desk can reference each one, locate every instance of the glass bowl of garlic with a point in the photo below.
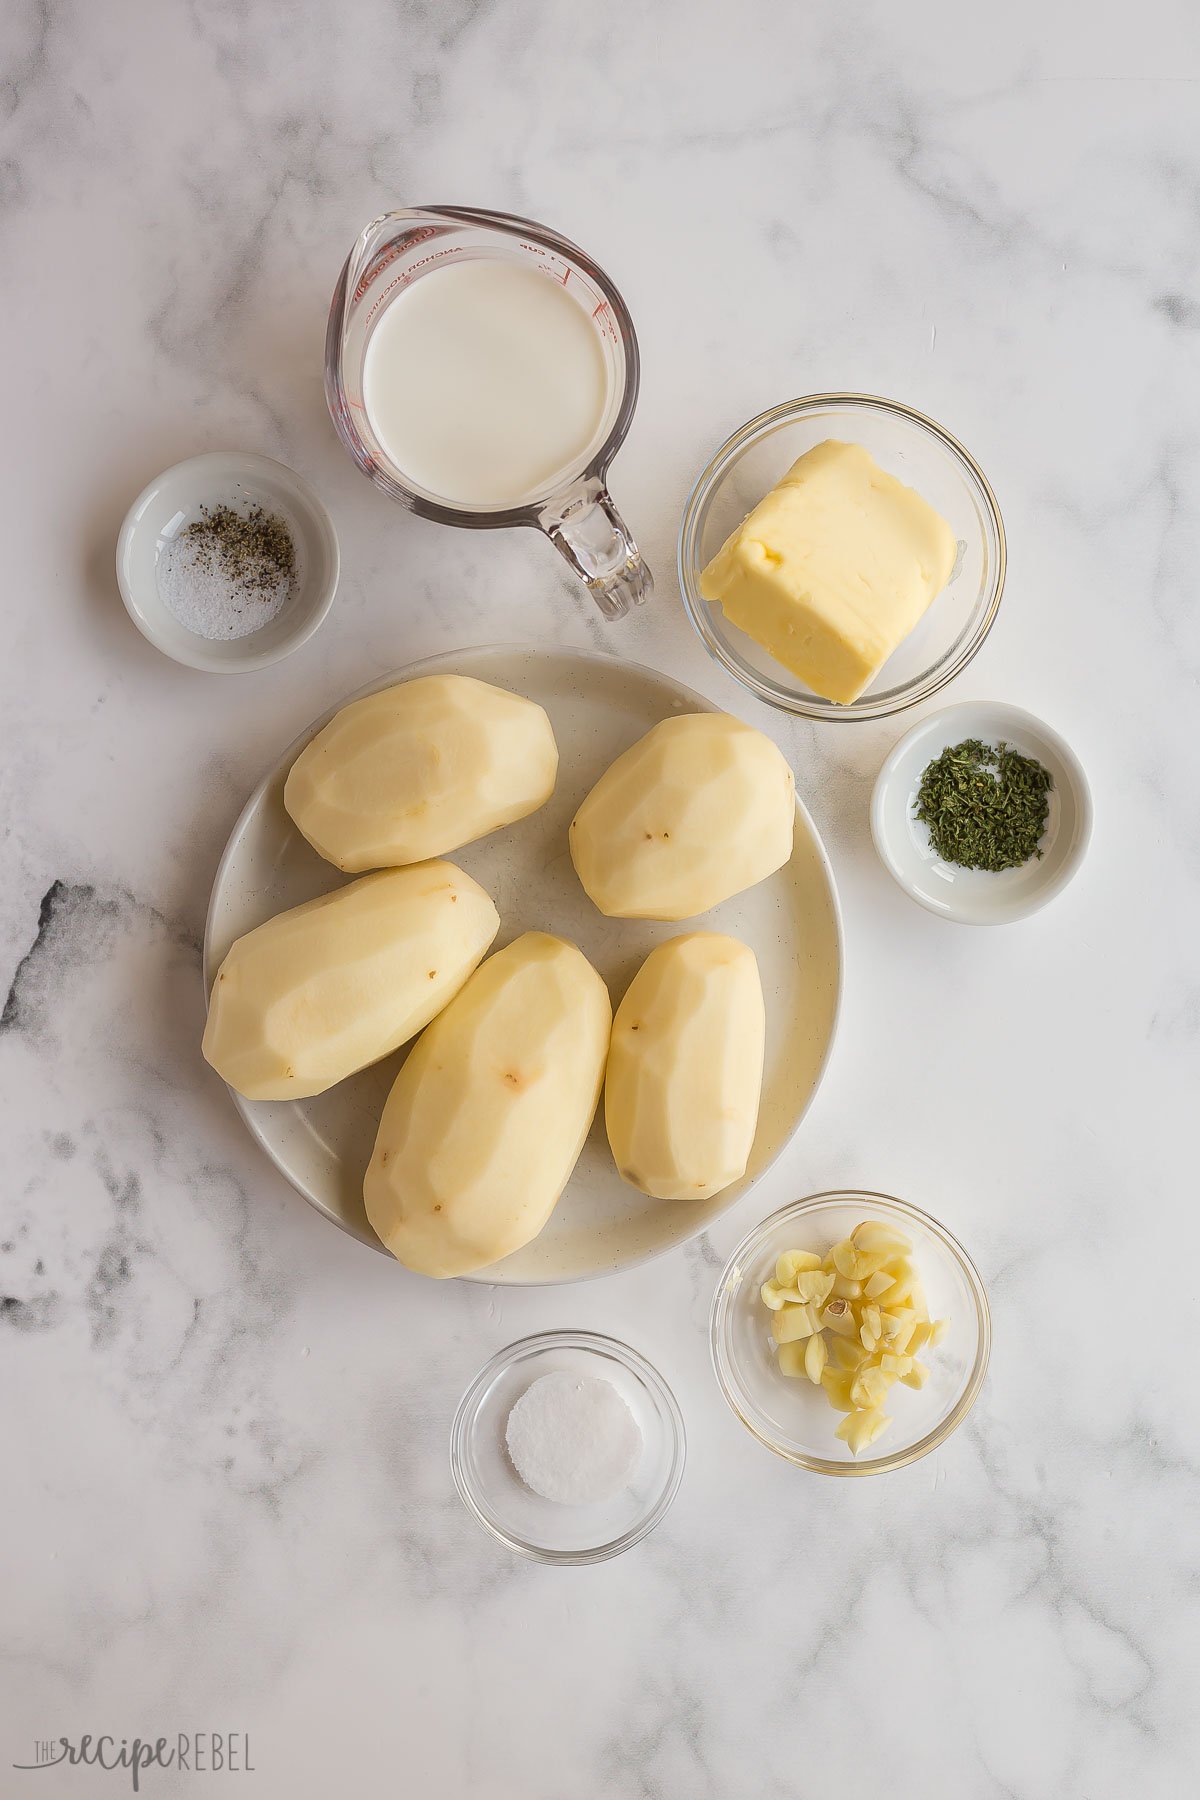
(850, 1333)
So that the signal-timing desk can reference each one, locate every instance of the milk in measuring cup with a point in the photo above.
(483, 381)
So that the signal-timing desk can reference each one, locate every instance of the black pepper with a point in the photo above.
(253, 550)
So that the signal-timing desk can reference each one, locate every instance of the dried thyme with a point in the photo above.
(985, 805)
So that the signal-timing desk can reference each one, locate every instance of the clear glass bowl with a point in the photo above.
(792, 1417)
(918, 452)
(491, 1489)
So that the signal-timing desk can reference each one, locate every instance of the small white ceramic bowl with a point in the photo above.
(174, 498)
(974, 896)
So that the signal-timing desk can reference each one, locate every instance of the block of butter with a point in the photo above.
(833, 568)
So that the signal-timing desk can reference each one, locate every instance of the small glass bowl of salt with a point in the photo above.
(227, 562)
(568, 1447)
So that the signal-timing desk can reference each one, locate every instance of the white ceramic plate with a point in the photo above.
(598, 707)
(974, 896)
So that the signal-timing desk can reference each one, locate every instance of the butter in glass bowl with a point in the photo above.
(916, 454)
(833, 568)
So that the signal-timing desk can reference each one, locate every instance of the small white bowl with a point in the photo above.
(975, 896)
(174, 498)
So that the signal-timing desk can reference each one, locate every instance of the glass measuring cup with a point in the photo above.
(576, 510)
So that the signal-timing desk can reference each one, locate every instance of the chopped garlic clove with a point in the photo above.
(903, 1276)
(937, 1331)
(790, 1264)
(919, 1336)
(871, 1236)
(869, 1389)
(813, 1286)
(869, 1262)
(916, 1376)
(896, 1328)
(845, 1289)
(838, 1315)
(815, 1356)
(879, 1284)
(892, 1296)
(861, 1429)
(836, 1383)
(793, 1323)
(772, 1295)
(791, 1360)
(848, 1352)
(845, 1259)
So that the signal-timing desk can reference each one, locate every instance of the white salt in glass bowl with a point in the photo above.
(791, 1416)
(544, 1530)
(978, 896)
(168, 505)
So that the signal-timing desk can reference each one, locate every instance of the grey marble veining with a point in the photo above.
(223, 1425)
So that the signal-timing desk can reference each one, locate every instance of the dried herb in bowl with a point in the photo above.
(985, 805)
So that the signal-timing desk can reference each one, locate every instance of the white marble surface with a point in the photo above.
(226, 1502)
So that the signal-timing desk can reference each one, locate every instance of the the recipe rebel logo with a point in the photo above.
(193, 1753)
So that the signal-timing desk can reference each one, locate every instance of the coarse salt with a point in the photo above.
(573, 1439)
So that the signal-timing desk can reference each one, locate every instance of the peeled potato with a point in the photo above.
(490, 1112)
(700, 808)
(321, 991)
(420, 769)
(685, 1068)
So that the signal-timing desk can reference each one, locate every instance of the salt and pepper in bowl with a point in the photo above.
(227, 562)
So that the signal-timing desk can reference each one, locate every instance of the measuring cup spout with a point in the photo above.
(585, 527)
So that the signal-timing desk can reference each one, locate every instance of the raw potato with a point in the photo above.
(490, 1112)
(318, 992)
(685, 1068)
(700, 808)
(420, 769)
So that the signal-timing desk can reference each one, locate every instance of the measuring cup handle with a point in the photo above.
(584, 526)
